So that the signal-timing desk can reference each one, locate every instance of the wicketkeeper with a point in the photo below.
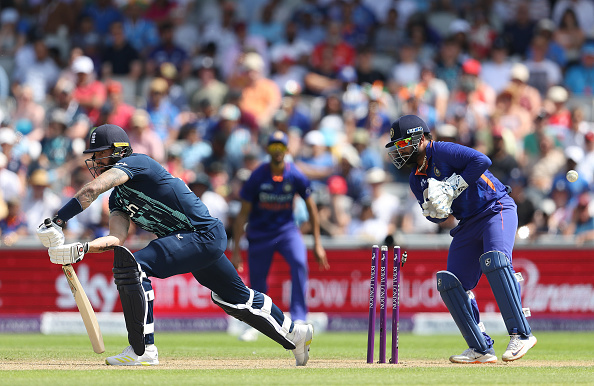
(188, 240)
(449, 178)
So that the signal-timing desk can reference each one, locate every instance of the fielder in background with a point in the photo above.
(188, 240)
(449, 178)
(267, 204)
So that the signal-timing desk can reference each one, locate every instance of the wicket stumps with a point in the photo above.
(383, 291)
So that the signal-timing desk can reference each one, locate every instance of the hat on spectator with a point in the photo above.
(375, 176)
(59, 116)
(8, 136)
(159, 85)
(278, 137)
(83, 64)
(253, 61)
(589, 136)
(520, 72)
(65, 86)
(350, 154)
(471, 67)
(361, 137)
(337, 185)
(557, 94)
(446, 130)
(315, 138)
(168, 70)
(9, 16)
(546, 25)
(574, 153)
(201, 179)
(140, 118)
(229, 112)
(203, 62)
(459, 26)
(39, 178)
(114, 87)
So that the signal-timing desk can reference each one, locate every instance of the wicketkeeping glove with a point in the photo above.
(68, 254)
(429, 210)
(50, 234)
(441, 194)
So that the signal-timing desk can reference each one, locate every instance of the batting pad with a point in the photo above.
(260, 319)
(128, 279)
(504, 285)
(458, 303)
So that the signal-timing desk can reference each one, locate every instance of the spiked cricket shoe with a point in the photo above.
(301, 336)
(471, 356)
(129, 358)
(518, 347)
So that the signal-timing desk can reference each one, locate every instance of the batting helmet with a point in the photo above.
(406, 132)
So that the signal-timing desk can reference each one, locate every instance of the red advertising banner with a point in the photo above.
(557, 283)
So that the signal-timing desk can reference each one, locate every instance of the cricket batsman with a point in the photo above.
(449, 178)
(188, 239)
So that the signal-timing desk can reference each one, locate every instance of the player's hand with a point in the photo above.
(50, 234)
(237, 261)
(68, 253)
(429, 210)
(320, 255)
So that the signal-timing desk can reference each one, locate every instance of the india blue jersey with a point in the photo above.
(156, 201)
(445, 159)
(272, 199)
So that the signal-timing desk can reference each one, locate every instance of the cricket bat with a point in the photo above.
(85, 309)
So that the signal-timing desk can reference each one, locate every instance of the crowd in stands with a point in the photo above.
(199, 85)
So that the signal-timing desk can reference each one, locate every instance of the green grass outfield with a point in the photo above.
(336, 358)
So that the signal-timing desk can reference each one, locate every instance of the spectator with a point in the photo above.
(143, 138)
(502, 162)
(584, 10)
(11, 187)
(175, 92)
(341, 53)
(159, 11)
(120, 58)
(29, 115)
(519, 31)
(370, 157)
(546, 166)
(56, 147)
(9, 36)
(115, 110)
(79, 123)
(40, 74)
(407, 71)
(163, 113)
(544, 73)
(546, 28)
(266, 27)
(309, 17)
(384, 206)
(448, 67)
(570, 36)
(560, 219)
(89, 92)
(185, 32)
(315, 161)
(167, 51)
(511, 115)
(586, 167)
(232, 56)
(497, 71)
(580, 78)
(526, 96)
(216, 204)
(582, 221)
(481, 35)
(261, 96)
(388, 36)
(140, 32)
(349, 167)
(209, 88)
(103, 13)
(574, 156)
(14, 225)
(40, 201)
(322, 79)
(195, 150)
(559, 114)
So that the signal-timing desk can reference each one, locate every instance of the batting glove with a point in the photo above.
(68, 254)
(50, 234)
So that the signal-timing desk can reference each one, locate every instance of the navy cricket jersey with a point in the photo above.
(272, 199)
(447, 158)
(156, 201)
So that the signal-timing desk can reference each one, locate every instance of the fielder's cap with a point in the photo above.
(83, 64)
(405, 127)
(106, 136)
(278, 137)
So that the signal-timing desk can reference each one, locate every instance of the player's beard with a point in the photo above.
(412, 160)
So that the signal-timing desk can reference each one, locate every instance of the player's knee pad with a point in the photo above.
(503, 282)
(260, 319)
(458, 303)
(128, 279)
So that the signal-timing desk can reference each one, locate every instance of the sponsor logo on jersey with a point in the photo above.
(436, 171)
(266, 187)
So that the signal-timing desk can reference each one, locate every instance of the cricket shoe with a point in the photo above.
(301, 336)
(129, 358)
(471, 356)
(518, 347)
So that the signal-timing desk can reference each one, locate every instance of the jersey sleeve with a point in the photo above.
(132, 166)
(472, 162)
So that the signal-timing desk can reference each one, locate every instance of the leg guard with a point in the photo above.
(504, 285)
(260, 319)
(128, 279)
(458, 303)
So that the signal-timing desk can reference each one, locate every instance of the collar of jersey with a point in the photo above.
(428, 151)
(282, 176)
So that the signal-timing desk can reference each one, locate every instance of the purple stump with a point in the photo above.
(395, 304)
(383, 303)
(372, 294)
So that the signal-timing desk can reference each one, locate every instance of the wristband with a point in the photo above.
(69, 210)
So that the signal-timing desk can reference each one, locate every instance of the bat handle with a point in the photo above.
(47, 222)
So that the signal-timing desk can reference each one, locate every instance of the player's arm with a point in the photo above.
(319, 251)
(238, 231)
(119, 224)
(105, 181)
